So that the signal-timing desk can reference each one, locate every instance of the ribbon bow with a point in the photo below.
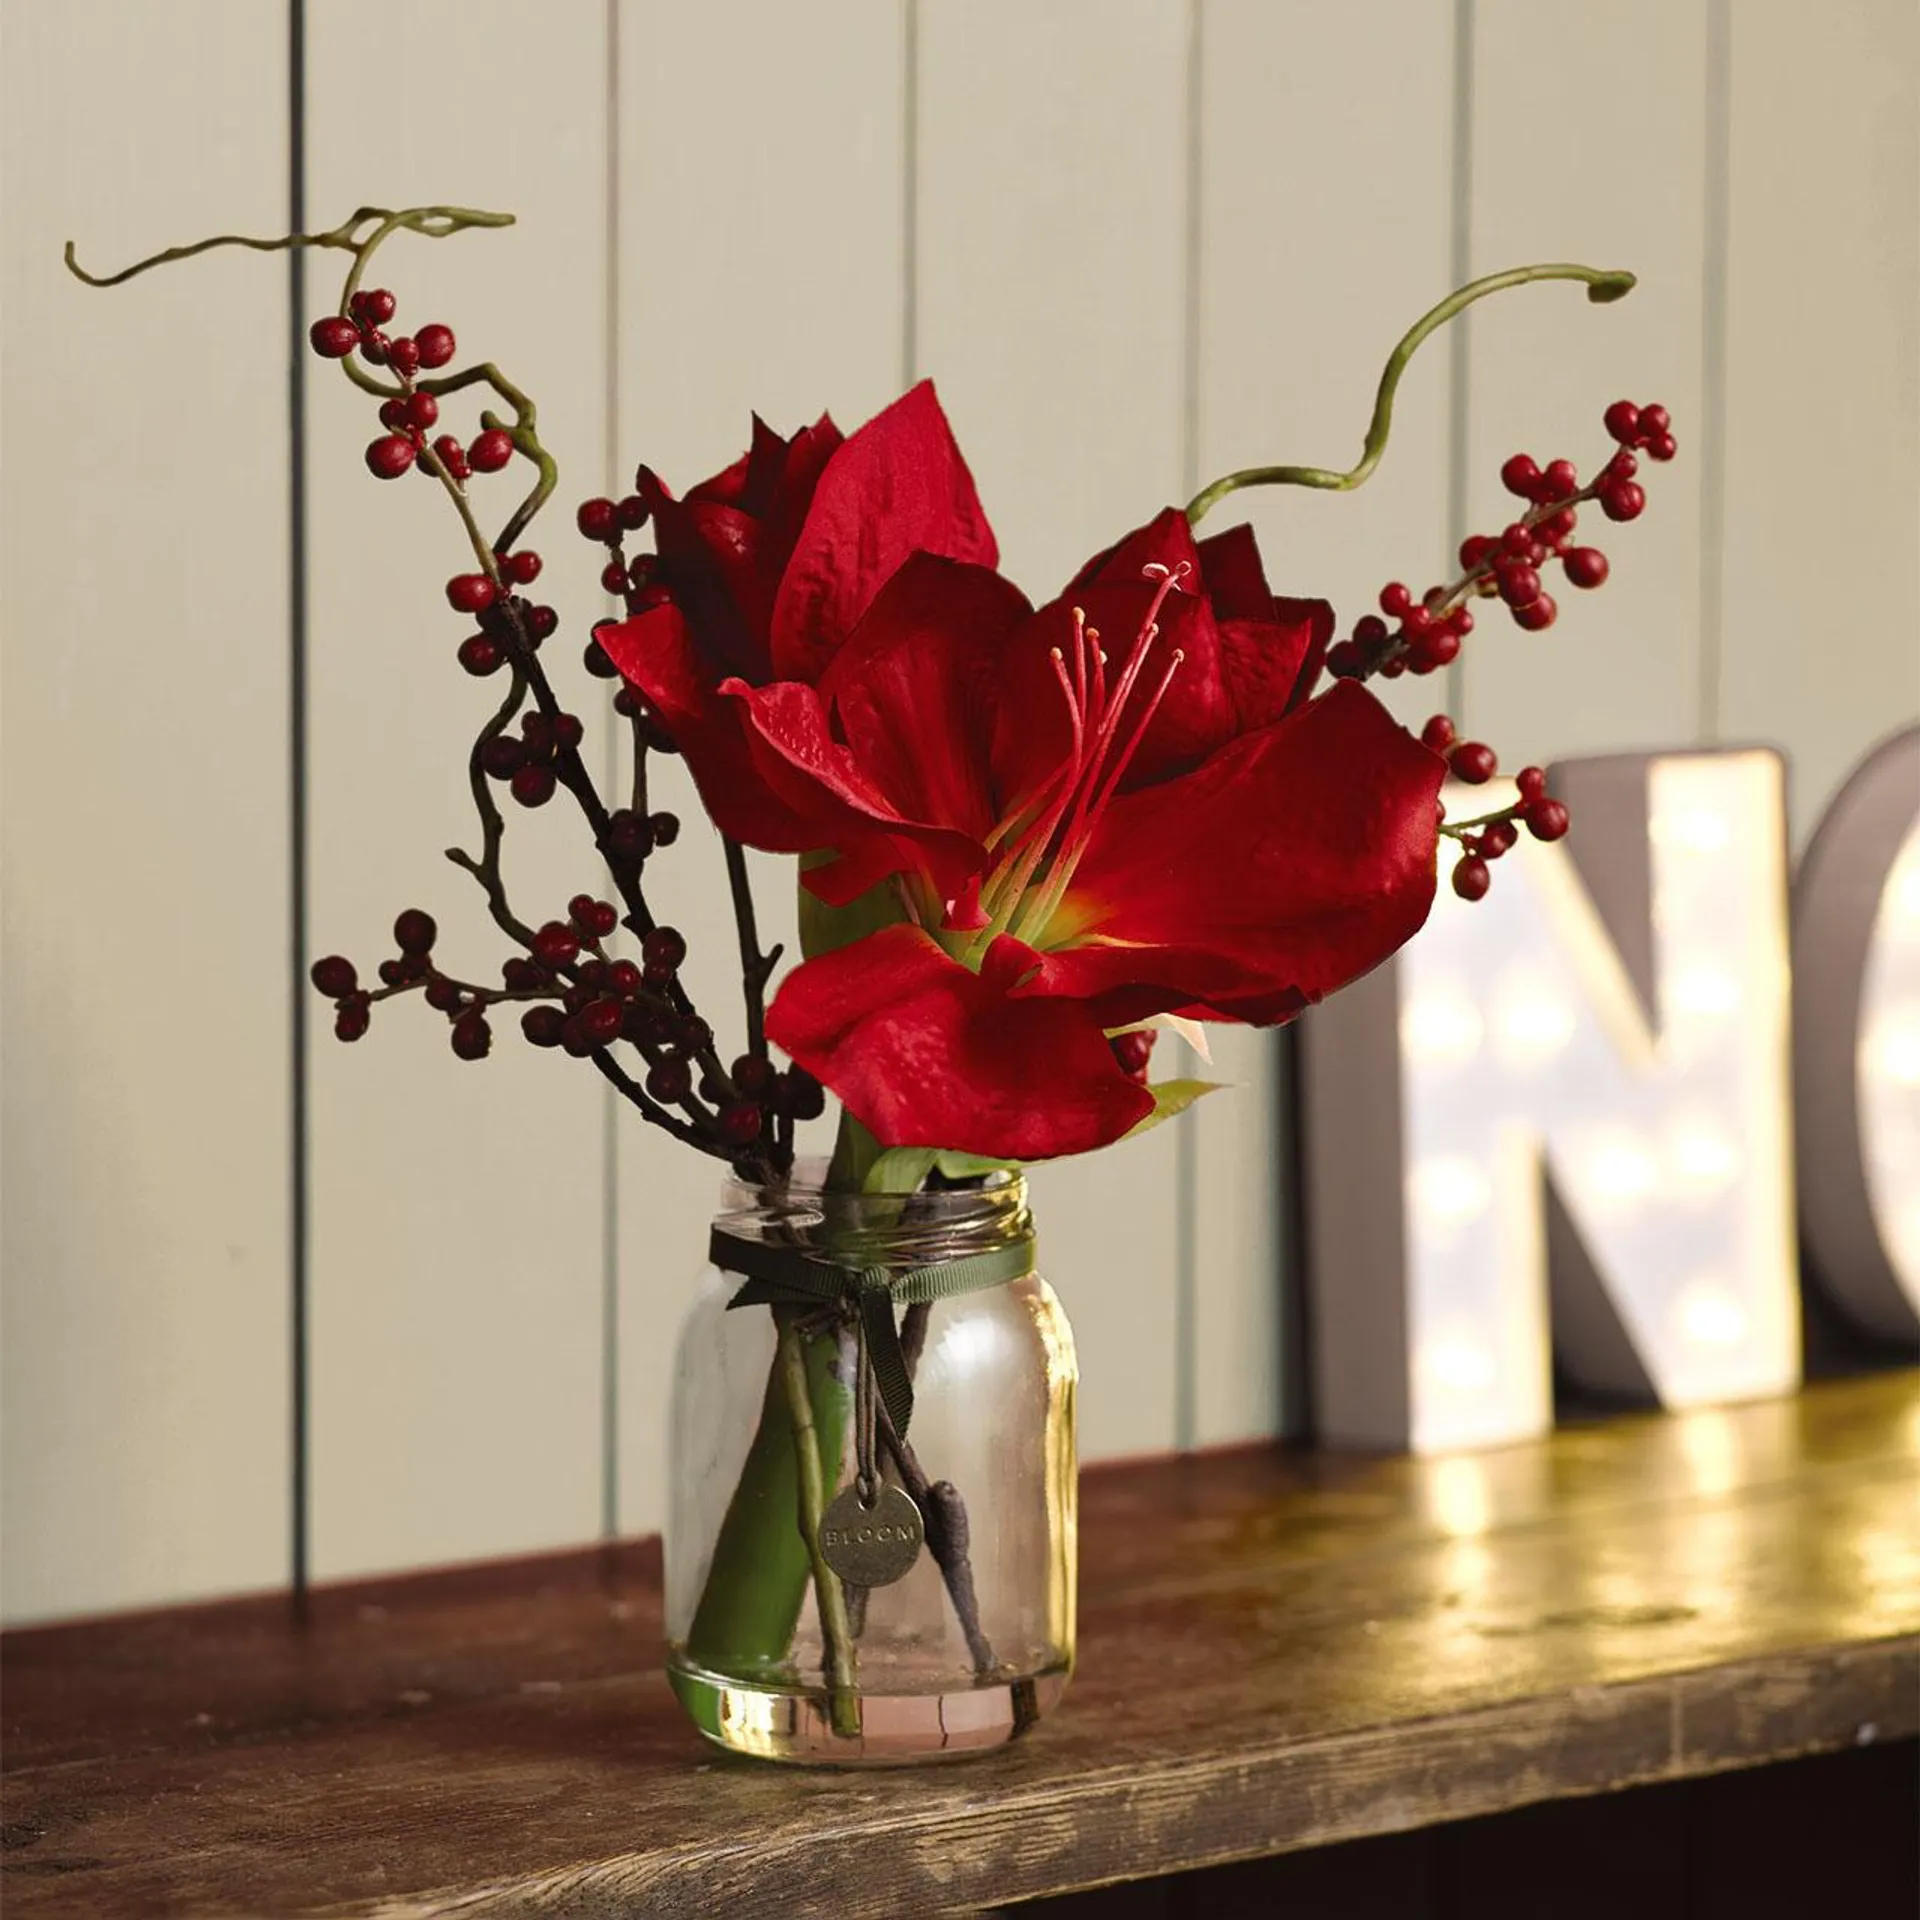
(800, 1277)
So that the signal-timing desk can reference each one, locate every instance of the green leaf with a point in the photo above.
(825, 929)
(971, 1166)
(900, 1170)
(1174, 1096)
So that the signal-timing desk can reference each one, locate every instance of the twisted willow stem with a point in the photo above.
(1603, 286)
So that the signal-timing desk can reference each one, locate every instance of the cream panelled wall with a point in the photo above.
(1136, 241)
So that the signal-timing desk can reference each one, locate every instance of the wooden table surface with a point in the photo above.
(1279, 1650)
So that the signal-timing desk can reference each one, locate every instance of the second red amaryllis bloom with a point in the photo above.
(1126, 803)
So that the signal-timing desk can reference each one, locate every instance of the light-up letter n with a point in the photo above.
(1856, 1042)
(1621, 1027)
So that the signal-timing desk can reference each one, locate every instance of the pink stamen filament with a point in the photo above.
(1092, 769)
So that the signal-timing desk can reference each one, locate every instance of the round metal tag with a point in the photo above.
(871, 1546)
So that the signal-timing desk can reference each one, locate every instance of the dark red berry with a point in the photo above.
(1532, 782)
(805, 1098)
(601, 1020)
(1474, 762)
(613, 577)
(1133, 1050)
(1623, 466)
(623, 978)
(1440, 648)
(1520, 475)
(491, 450)
(568, 732)
(665, 949)
(522, 568)
(480, 655)
(740, 1123)
(471, 593)
(393, 413)
(1471, 878)
(1498, 838)
(374, 304)
(1560, 481)
(1438, 733)
(1369, 630)
(1624, 501)
(1654, 420)
(472, 1037)
(1519, 585)
(1662, 447)
(442, 995)
(334, 976)
(389, 457)
(1395, 599)
(541, 623)
(753, 1075)
(633, 513)
(373, 346)
(1546, 819)
(436, 344)
(542, 1025)
(629, 837)
(1622, 421)
(333, 337)
(352, 1021)
(503, 756)
(533, 785)
(598, 520)
(1517, 542)
(597, 918)
(666, 827)
(1538, 614)
(556, 943)
(422, 411)
(1586, 566)
(670, 1080)
(415, 932)
(403, 355)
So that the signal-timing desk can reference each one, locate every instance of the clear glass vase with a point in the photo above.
(770, 1650)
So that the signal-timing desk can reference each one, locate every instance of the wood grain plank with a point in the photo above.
(1823, 280)
(457, 1245)
(1563, 171)
(143, 603)
(1279, 1651)
(1050, 308)
(1295, 324)
(761, 268)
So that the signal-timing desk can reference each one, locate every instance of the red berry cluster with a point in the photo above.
(1493, 834)
(585, 1002)
(1426, 633)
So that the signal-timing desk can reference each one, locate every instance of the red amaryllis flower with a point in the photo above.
(1127, 803)
(768, 566)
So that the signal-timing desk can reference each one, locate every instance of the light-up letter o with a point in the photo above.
(1856, 1042)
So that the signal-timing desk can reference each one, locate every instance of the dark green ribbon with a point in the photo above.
(798, 1276)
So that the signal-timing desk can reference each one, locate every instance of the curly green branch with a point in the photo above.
(1602, 287)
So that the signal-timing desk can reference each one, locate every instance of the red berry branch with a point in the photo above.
(583, 1000)
(1506, 566)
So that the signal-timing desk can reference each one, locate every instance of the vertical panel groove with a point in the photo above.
(1186, 1166)
(910, 195)
(299, 1544)
(1460, 334)
(1713, 366)
(610, 771)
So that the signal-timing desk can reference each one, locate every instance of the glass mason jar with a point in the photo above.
(784, 1405)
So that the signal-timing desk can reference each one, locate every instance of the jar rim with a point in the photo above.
(893, 1228)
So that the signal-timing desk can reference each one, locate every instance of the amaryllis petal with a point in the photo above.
(916, 687)
(926, 1053)
(1165, 541)
(898, 486)
(1292, 862)
(656, 653)
(819, 779)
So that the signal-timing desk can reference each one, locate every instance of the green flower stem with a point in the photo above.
(1602, 286)
(835, 1630)
(763, 1557)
